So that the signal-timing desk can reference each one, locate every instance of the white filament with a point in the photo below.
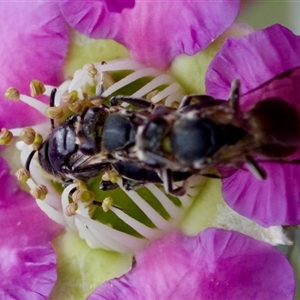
(34, 103)
(147, 72)
(153, 84)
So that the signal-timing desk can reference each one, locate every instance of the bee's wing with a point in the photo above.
(285, 86)
(87, 166)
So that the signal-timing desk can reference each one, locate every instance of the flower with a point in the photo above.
(41, 50)
(28, 261)
(215, 264)
(43, 46)
(274, 201)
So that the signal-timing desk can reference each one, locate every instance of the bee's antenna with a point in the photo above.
(29, 159)
(52, 99)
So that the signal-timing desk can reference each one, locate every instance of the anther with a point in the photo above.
(39, 192)
(76, 106)
(84, 196)
(36, 88)
(107, 203)
(111, 176)
(12, 94)
(70, 97)
(27, 135)
(38, 141)
(80, 184)
(92, 71)
(22, 175)
(71, 209)
(6, 136)
(55, 112)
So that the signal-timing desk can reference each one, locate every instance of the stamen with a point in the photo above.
(59, 91)
(12, 94)
(84, 196)
(92, 71)
(27, 135)
(76, 106)
(119, 65)
(71, 209)
(141, 228)
(70, 97)
(113, 239)
(38, 141)
(80, 184)
(162, 79)
(73, 101)
(55, 112)
(22, 175)
(151, 213)
(34, 103)
(6, 137)
(111, 176)
(107, 204)
(146, 72)
(174, 88)
(173, 210)
(37, 88)
(39, 192)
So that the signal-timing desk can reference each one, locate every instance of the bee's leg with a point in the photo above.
(234, 96)
(255, 169)
(187, 99)
(167, 178)
(106, 185)
(156, 160)
(137, 102)
(130, 185)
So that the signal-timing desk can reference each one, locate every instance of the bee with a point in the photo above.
(82, 146)
(159, 144)
(206, 135)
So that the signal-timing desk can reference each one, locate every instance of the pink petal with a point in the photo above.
(27, 258)
(28, 272)
(154, 31)
(273, 201)
(34, 44)
(216, 264)
(253, 59)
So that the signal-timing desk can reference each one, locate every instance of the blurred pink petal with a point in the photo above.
(216, 264)
(28, 262)
(34, 43)
(154, 31)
